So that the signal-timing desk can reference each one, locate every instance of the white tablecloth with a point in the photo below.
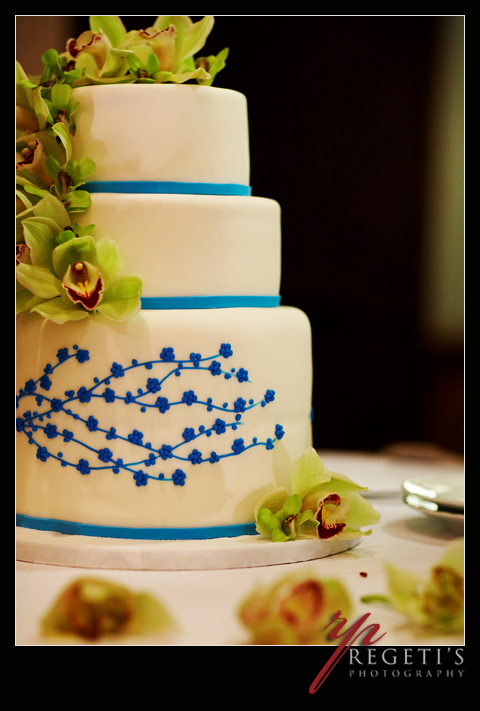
(204, 603)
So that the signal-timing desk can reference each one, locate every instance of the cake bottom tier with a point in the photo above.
(171, 425)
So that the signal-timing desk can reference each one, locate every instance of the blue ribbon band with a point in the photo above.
(152, 534)
(171, 188)
(209, 302)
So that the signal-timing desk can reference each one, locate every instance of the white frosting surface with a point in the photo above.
(272, 344)
(190, 245)
(163, 132)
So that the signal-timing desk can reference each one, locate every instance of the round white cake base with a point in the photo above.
(52, 548)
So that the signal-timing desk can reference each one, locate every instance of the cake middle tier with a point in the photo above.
(192, 245)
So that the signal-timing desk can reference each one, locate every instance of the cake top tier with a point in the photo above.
(163, 132)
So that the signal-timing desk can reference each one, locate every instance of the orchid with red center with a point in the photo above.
(320, 503)
(296, 609)
(69, 276)
(433, 601)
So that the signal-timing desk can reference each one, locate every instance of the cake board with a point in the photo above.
(51, 548)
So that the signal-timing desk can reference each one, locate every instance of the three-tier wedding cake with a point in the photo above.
(172, 418)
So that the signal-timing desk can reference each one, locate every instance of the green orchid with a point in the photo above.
(296, 609)
(320, 503)
(67, 276)
(93, 609)
(107, 53)
(45, 122)
(437, 601)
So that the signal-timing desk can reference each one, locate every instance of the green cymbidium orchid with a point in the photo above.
(108, 54)
(320, 503)
(294, 610)
(437, 601)
(93, 609)
(66, 275)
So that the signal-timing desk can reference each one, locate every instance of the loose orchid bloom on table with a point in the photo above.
(436, 601)
(320, 504)
(296, 609)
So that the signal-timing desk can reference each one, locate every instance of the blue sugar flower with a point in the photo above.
(136, 437)
(239, 405)
(162, 404)
(167, 355)
(112, 433)
(226, 350)
(269, 444)
(83, 394)
(109, 395)
(188, 434)
(56, 404)
(67, 436)
(238, 446)
(20, 424)
(129, 398)
(214, 457)
(269, 396)
(179, 477)
(242, 375)
(117, 370)
(195, 457)
(62, 355)
(51, 431)
(150, 461)
(92, 424)
(195, 358)
(48, 370)
(279, 431)
(189, 397)
(104, 455)
(42, 454)
(219, 426)
(215, 368)
(30, 387)
(82, 355)
(153, 385)
(83, 467)
(140, 478)
(165, 452)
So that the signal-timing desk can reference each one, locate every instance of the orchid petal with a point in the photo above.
(122, 299)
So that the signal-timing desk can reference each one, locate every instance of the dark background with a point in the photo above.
(350, 133)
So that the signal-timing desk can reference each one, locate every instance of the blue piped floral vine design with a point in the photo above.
(30, 422)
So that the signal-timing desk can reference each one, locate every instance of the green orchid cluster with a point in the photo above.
(93, 609)
(320, 504)
(45, 123)
(108, 54)
(63, 274)
(296, 609)
(436, 601)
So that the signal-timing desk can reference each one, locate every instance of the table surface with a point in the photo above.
(204, 603)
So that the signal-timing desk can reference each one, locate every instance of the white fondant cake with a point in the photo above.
(175, 422)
